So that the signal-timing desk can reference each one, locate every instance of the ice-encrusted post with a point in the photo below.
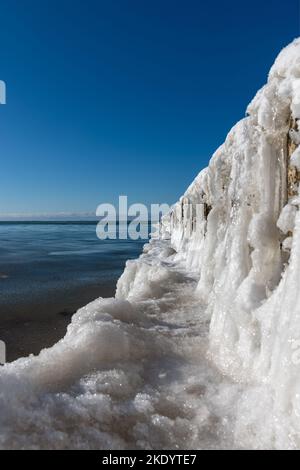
(293, 174)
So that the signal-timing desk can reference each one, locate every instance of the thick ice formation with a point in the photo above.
(248, 258)
(201, 346)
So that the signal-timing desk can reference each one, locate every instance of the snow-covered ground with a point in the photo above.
(129, 374)
(201, 346)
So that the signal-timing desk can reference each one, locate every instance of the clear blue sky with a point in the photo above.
(125, 96)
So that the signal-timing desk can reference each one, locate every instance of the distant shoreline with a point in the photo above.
(49, 222)
(60, 222)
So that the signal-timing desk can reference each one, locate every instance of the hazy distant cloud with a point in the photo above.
(48, 216)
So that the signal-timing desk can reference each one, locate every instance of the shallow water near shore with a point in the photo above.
(47, 272)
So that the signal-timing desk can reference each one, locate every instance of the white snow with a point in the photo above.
(127, 374)
(200, 347)
(286, 221)
(295, 158)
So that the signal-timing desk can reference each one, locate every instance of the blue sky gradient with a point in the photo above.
(125, 96)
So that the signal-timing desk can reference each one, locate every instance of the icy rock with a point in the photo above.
(295, 158)
(286, 220)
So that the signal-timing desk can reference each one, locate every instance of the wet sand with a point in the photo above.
(29, 328)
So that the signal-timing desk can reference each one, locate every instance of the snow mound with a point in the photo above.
(126, 375)
(201, 346)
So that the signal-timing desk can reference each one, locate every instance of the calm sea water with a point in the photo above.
(47, 272)
(38, 260)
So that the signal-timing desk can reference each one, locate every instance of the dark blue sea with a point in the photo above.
(48, 271)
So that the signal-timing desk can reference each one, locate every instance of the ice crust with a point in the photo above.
(201, 346)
